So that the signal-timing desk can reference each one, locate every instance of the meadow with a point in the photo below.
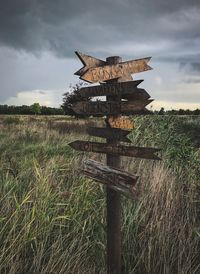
(53, 219)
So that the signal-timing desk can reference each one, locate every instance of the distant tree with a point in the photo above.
(161, 111)
(196, 112)
(36, 108)
(181, 111)
(72, 97)
(51, 111)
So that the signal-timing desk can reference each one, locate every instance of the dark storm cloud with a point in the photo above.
(166, 27)
(192, 80)
(191, 71)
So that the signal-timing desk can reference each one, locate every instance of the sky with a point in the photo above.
(38, 39)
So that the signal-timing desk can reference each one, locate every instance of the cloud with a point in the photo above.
(47, 98)
(191, 67)
(38, 39)
(192, 80)
(162, 28)
(21, 71)
(191, 72)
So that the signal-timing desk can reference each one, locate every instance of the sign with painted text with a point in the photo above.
(123, 97)
(130, 151)
(101, 108)
(96, 70)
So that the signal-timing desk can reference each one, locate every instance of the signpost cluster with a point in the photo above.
(122, 97)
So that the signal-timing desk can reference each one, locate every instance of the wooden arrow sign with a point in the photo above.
(120, 122)
(121, 88)
(109, 133)
(119, 180)
(108, 72)
(131, 151)
(88, 62)
(100, 108)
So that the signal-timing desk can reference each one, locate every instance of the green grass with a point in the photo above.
(53, 219)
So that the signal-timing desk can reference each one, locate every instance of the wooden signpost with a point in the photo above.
(96, 70)
(121, 88)
(119, 180)
(116, 84)
(120, 122)
(111, 108)
(109, 148)
(109, 133)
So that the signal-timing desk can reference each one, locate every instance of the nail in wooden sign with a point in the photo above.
(101, 108)
(130, 151)
(120, 122)
(122, 88)
(109, 133)
(96, 70)
(119, 180)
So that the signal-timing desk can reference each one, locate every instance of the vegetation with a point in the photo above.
(30, 110)
(53, 219)
(68, 99)
(162, 111)
(36, 108)
(71, 97)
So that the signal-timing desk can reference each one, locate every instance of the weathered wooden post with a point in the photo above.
(116, 83)
(113, 198)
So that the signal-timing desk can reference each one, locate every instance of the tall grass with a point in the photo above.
(53, 219)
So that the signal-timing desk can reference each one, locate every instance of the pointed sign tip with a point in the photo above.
(149, 68)
(73, 144)
(138, 82)
(77, 73)
(79, 54)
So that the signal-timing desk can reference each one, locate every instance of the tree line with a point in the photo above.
(30, 110)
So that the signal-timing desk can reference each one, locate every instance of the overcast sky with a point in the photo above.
(38, 39)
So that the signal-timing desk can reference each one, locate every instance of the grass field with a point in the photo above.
(53, 219)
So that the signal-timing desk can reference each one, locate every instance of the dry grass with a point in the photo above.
(53, 219)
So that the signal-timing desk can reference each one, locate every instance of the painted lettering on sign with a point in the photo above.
(130, 151)
(120, 122)
(121, 88)
(108, 72)
(111, 108)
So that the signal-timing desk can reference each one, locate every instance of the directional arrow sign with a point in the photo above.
(108, 72)
(131, 151)
(100, 108)
(120, 122)
(119, 180)
(109, 133)
(121, 88)
(88, 62)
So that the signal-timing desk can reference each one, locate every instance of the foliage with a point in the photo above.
(36, 108)
(27, 110)
(162, 111)
(71, 97)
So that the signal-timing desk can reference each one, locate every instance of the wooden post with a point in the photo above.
(113, 72)
(113, 202)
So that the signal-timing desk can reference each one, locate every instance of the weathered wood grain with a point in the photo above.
(108, 72)
(119, 88)
(88, 62)
(113, 204)
(120, 122)
(116, 149)
(101, 108)
(109, 133)
(121, 181)
(139, 94)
